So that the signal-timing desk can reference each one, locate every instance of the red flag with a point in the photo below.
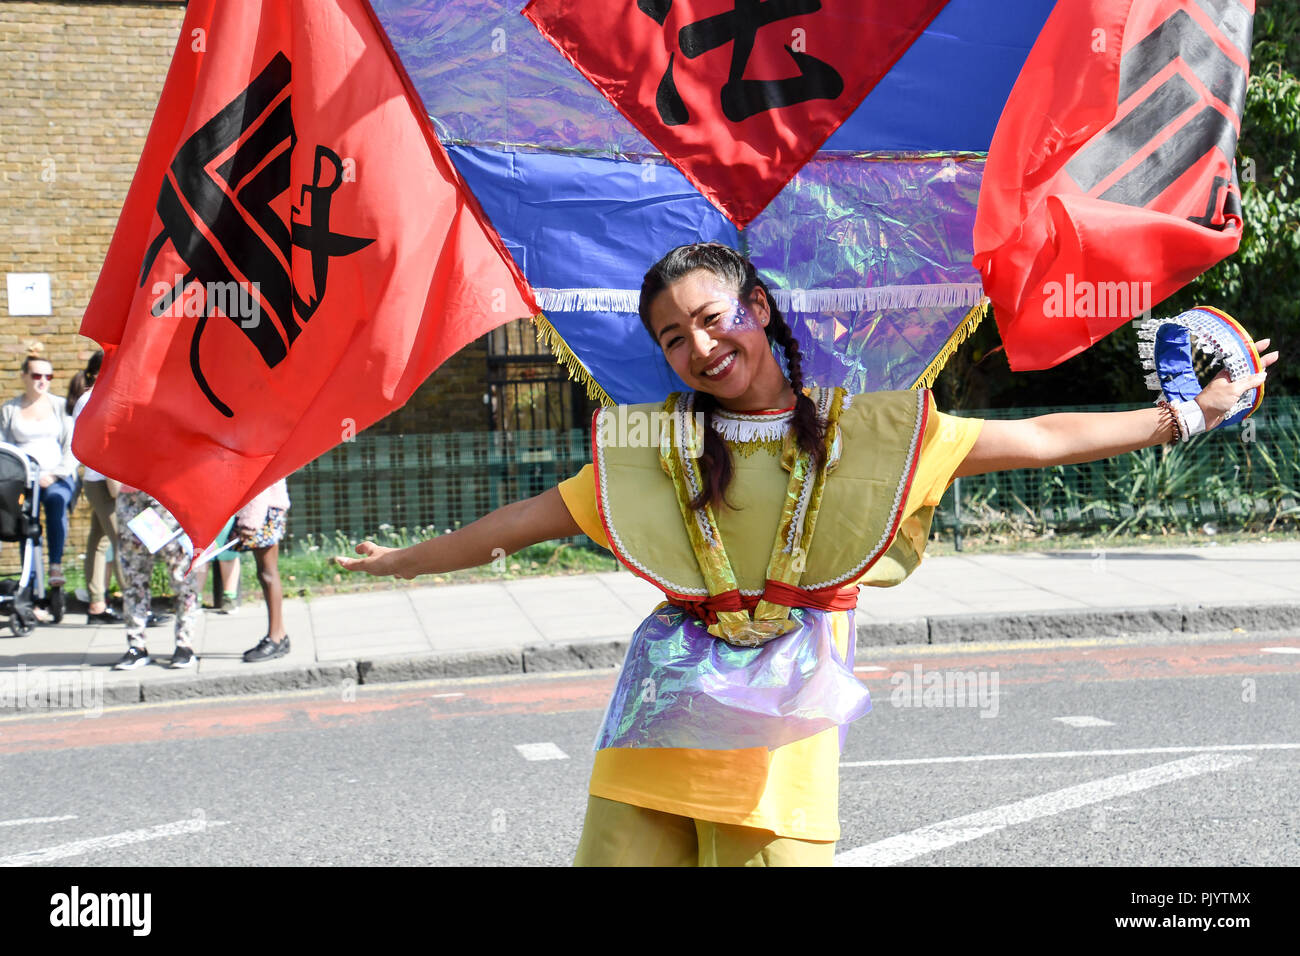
(1110, 182)
(737, 94)
(295, 256)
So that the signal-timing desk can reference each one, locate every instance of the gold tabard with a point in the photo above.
(859, 514)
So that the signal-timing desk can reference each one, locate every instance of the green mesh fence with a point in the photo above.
(1244, 475)
(419, 481)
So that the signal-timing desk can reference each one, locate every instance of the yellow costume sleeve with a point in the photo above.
(579, 494)
(945, 445)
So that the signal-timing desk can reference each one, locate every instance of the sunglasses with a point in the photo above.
(37, 376)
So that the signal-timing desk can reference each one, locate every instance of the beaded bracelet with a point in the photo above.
(1173, 417)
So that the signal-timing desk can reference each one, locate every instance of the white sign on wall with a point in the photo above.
(29, 293)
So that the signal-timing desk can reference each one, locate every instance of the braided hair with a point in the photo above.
(738, 273)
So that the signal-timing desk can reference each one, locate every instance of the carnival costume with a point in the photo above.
(1165, 347)
(736, 691)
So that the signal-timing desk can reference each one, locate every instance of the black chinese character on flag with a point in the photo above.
(737, 94)
(742, 98)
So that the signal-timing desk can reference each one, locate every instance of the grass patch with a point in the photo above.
(307, 568)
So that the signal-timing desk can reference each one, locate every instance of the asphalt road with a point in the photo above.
(1176, 753)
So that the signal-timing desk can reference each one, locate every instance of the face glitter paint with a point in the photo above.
(738, 318)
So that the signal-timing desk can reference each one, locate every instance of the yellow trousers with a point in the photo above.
(620, 834)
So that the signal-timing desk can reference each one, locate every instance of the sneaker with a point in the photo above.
(229, 603)
(183, 656)
(267, 649)
(154, 620)
(133, 658)
(106, 616)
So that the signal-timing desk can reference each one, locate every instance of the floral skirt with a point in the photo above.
(271, 531)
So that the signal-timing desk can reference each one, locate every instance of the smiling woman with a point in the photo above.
(721, 742)
(712, 315)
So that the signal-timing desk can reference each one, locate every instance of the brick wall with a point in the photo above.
(80, 82)
(450, 401)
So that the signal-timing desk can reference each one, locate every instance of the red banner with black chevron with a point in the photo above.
(1111, 181)
(295, 256)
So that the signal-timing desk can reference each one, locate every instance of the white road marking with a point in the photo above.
(15, 823)
(436, 696)
(938, 836)
(1084, 721)
(82, 847)
(546, 751)
(1066, 754)
(857, 670)
(1280, 650)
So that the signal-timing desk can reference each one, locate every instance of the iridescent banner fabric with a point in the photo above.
(682, 687)
(874, 255)
(869, 243)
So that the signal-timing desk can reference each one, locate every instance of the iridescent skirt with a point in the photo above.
(682, 687)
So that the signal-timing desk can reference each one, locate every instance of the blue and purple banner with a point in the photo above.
(867, 247)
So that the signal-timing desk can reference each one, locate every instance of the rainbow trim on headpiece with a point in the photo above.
(1166, 350)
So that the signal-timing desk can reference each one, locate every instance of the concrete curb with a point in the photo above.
(605, 653)
(325, 674)
(1082, 622)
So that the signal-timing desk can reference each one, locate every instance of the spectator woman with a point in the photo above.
(101, 493)
(38, 423)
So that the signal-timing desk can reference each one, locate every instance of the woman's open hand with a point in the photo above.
(377, 560)
(1218, 397)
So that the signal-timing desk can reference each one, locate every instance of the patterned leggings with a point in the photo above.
(137, 563)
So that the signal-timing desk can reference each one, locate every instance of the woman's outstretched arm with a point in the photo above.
(501, 532)
(1068, 438)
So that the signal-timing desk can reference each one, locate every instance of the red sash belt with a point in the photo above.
(825, 599)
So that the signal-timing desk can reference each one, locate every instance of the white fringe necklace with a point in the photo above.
(745, 427)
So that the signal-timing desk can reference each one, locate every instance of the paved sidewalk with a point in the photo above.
(569, 623)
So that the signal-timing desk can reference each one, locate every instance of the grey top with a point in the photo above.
(67, 466)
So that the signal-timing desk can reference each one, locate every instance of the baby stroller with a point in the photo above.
(20, 522)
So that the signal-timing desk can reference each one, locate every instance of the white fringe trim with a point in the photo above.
(752, 428)
(588, 300)
(879, 297)
(788, 300)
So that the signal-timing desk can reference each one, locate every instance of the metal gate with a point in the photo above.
(527, 389)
